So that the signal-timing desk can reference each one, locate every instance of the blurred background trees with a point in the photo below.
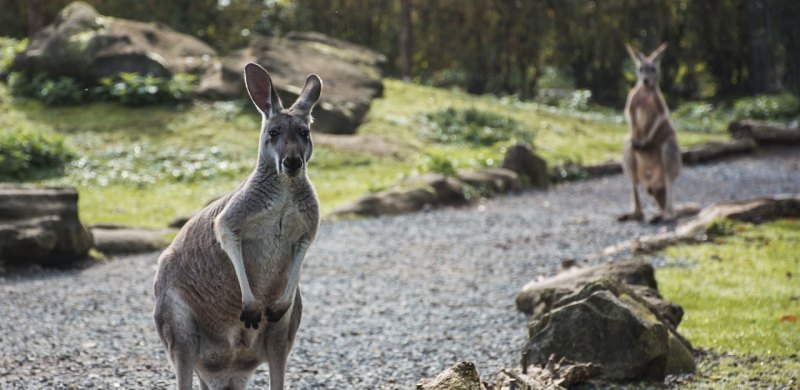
(718, 48)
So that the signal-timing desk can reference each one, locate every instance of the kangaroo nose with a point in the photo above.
(292, 163)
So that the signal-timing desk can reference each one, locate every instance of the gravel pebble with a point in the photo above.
(388, 300)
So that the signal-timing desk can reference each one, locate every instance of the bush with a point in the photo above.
(437, 163)
(9, 47)
(25, 154)
(471, 126)
(129, 89)
(132, 89)
(767, 107)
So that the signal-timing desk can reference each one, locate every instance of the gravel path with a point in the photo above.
(387, 300)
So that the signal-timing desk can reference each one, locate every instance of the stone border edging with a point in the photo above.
(757, 210)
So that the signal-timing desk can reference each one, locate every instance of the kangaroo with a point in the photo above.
(651, 155)
(240, 257)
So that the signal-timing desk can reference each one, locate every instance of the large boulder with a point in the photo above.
(531, 168)
(41, 226)
(83, 44)
(351, 74)
(604, 323)
(539, 297)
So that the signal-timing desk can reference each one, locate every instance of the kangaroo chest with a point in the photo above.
(268, 245)
(644, 108)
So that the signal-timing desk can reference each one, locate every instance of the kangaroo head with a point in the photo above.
(285, 141)
(647, 67)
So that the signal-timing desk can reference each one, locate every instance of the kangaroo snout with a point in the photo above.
(292, 165)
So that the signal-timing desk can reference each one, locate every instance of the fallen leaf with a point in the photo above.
(789, 318)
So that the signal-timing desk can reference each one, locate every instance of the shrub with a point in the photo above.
(9, 47)
(128, 88)
(475, 127)
(132, 89)
(437, 163)
(767, 106)
(26, 153)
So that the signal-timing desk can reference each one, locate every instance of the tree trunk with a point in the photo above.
(35, 17)
(405, 39)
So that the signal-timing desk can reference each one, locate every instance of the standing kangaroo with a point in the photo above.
(651, 156)
(241, 256)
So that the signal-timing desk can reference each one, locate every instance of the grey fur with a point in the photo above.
(241, 257)
(651, 155)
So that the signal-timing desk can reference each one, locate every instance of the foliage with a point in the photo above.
(472, 126)
(130, 89)
(437, 163)
(767, 106)
(720, 228)
(9, 47)
(188, 154)
(737, 289)
(26, 154)
(717, 48)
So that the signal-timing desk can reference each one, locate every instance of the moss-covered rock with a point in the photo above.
(87, 46)
(606, 323)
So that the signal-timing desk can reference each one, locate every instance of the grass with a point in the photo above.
(144, 166)
(738, 294)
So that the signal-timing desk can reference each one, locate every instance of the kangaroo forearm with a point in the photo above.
(287, 297)
(231, 245)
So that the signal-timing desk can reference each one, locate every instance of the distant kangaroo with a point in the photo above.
(241, 256)
(651, 156)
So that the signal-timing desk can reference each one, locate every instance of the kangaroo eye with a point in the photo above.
(273, 133)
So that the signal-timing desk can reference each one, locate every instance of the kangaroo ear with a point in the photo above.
(259, 86)
(636, 55)
(658, 53)
(308, 98)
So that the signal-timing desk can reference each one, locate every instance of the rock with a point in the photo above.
(763, 132)
(117, 239)
(603, 169)
(462, 376)
(351, 74)
(493, 180)
(88, 46)
(449, 191)
(555, 375)
(41, 226)
(605, 323)
(531, 168)
(430, 190)
(538, 297)
(756, 210)
(389, 203)
(716, 150)
(178, 222)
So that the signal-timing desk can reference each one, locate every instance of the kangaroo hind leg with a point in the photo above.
(179, 334)
(629, 166)
(280, 338)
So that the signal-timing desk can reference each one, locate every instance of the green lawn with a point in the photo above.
(738, 294)
(145, 166)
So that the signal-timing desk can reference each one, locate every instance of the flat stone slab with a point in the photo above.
(117, 239)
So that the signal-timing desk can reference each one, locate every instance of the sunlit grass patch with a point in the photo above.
(147, 165)
(741, 296)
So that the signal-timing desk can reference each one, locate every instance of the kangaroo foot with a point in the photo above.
(631, 217)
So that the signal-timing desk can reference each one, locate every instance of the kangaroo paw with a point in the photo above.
(250, 317)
